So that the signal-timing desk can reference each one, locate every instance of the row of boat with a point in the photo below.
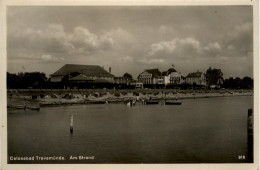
(153, 102)
(166, 102)
(23, 107)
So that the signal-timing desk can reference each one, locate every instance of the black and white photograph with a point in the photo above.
(130, 84)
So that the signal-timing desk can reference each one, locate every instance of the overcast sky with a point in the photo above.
(131, 39)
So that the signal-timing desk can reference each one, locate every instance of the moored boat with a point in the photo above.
(33, 108)
(17, 106)
(151, 102)
(172, 103)
(98, 102)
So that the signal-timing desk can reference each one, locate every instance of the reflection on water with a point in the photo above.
(208, 130)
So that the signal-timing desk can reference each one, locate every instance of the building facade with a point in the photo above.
(150, 76)
(171, 76)
(196, 78)
(122, 80)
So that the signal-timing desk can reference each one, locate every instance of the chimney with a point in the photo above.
(110, 70)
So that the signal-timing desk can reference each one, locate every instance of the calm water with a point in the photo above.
(199, 131)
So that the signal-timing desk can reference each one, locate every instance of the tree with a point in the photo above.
(25, 80)
(34, 79)
(246, 83)
(12, 81)
(128, 76)
(213, 75)
(228, 83)
(238, 83)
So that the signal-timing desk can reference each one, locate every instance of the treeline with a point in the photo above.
(215, 77)
(38, 80)
(238, 83)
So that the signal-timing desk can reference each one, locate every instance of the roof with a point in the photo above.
(80, 77)
(164, 73)
(121, 78)
(154, 72)
(101, 81)
(194, 75)
(169, 71)
(87, 70)
(220, 81)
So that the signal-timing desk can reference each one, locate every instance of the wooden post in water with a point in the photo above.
(71, 123)
(250, 136)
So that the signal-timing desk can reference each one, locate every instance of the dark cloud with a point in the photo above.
(132, 38)
(240, 39)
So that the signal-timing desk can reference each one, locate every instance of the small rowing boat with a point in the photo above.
(151, 102)
(99, 102)
(17, 106)
(172, 103)
(33, 108)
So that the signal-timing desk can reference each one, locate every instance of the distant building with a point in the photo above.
(220, 81)
(80, 78)
(160, 80)
(139, 85)
(150, 76)
(196, 78)
(122, 80)
(218, 85)
(172, 77)
(82, 73)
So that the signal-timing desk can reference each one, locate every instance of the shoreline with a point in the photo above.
(110, 100)
(100, 97)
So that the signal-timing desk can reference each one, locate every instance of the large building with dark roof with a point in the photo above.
(150, 76)
(82, 73)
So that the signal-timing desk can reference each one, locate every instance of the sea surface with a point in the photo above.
(209, 130)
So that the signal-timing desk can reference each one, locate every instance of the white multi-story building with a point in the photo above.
(150, 76)
(172, 77)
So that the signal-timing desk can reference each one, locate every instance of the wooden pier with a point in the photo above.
(250, 136)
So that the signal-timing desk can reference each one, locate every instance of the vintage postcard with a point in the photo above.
(127, 84)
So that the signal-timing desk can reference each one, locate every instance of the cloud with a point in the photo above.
(152, 61)
(179, 50)
(35, 57)
(165, 29)
(83, 41)
(212, 46)
(239, 40)
(125, 59)
(191, 38)
(120, 35)
(230, 47)
(50, 58)
(81, 38)
(212, 49)
(241, 30)
(182, 50)
(54, 41)
(190, 26)
(176, 47)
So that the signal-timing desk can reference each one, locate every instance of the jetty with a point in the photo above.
(20, 102)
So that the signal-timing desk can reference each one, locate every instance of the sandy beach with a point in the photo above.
(117, 96)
